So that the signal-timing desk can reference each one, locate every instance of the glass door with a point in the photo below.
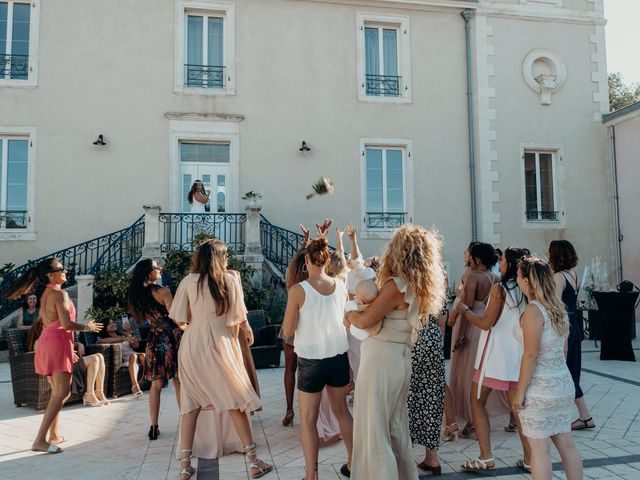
(215, 179)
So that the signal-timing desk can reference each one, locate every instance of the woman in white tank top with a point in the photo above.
(497, 363)
(314, 314)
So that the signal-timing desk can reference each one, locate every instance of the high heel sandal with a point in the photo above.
(187, 469)
(288, 418)
(153, 432)
(91, 400)
(100, 394)
(257, 468)
(435, 471)
(137, 394)
(450, 431)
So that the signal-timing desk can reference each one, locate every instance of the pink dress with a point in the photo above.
(55, 346)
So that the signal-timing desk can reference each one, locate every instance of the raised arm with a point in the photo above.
(491, 313)
(339, 245)
(387, 300)
(295, 300)
(353, 241)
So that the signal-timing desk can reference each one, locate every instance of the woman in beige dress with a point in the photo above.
(210, 299)
(412, 287)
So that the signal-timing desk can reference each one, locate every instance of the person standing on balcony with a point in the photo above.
(151, 302)
(214, 378)
(563, 259)
(198, 197)
(314, 314)
(412, 287)
(54, 355)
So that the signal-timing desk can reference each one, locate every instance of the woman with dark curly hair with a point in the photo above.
(563, 259)
(151, 302)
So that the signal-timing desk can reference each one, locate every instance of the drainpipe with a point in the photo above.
(468, 15)
(616, 202)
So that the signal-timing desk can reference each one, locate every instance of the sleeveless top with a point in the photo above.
(503, 352)
(401, 326)
(570, 297)
(320, 332)
(29, 318)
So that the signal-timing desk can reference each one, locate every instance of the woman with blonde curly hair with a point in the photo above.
(545, 394)
(412, 287)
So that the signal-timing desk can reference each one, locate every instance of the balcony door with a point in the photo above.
(208, 162)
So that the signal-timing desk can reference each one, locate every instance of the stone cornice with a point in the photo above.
(405, 4)
(542, 13)
(221, 117)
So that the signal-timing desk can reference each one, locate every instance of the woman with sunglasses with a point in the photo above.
(151, 302)
(54, 355)
(198, 197)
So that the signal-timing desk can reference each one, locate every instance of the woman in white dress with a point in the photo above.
(198, 197)
(545, 394)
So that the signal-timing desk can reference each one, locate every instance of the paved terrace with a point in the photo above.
(111, 443)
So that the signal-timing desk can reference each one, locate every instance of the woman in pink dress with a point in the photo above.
(54, 355)
(211, 301)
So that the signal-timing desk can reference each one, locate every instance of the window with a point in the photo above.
(385, 196)
(205, 48)
(539, 185)
(384, 67)
(17, 45)
(15, 180)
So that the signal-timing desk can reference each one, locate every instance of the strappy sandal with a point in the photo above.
(257, 468)
(185, 465)
(479, 465)
(450, 431)
(137, 394)
(520, 463)
(582, 424)
(288, 418)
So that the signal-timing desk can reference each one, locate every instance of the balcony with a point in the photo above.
(14, 67)
(384, 220)
(204, 76)
(383, 85)
(13, 219)
(542, 215)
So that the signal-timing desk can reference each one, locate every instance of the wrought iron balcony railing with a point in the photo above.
(204, 76)
(10, 219)
(385, 219)
(278, 244)
(548, 215)
(383, 85)
(177, 230)
(15, 67)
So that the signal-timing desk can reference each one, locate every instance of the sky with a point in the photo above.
(622, 37)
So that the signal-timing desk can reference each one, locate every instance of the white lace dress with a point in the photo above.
(548, 403)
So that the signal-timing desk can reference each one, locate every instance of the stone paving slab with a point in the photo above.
(110, 442)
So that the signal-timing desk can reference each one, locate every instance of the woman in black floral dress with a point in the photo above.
(426, 394)
(151, 302)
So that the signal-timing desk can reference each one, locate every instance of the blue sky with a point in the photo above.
(622, 36)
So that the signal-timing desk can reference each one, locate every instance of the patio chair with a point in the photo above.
(266, 347)
(29, 388)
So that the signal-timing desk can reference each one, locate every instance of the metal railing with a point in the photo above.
(11, 219)
(385, 219)
(204, 76)
(15, 67)
(177, 230)
(533, 215)
(278, 244)
(383, 85)
(122, 248)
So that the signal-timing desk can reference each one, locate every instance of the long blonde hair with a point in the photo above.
(542, 287)
(414, 254)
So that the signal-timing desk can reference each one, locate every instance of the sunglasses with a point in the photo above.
(59, 269)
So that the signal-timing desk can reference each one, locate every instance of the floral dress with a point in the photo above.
(161, 353)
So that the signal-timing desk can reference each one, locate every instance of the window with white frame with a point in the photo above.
(15, 29)
(14, 183)
(384, 66)
(385, 192)
(205, 48)
(540, 186)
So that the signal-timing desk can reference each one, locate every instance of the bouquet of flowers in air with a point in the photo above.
(324, 186)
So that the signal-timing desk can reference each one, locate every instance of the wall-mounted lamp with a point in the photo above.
(100, 141)
(304, 147)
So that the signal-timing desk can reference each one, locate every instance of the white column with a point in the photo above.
(253, 250)
(151, 248)
(85, 296)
